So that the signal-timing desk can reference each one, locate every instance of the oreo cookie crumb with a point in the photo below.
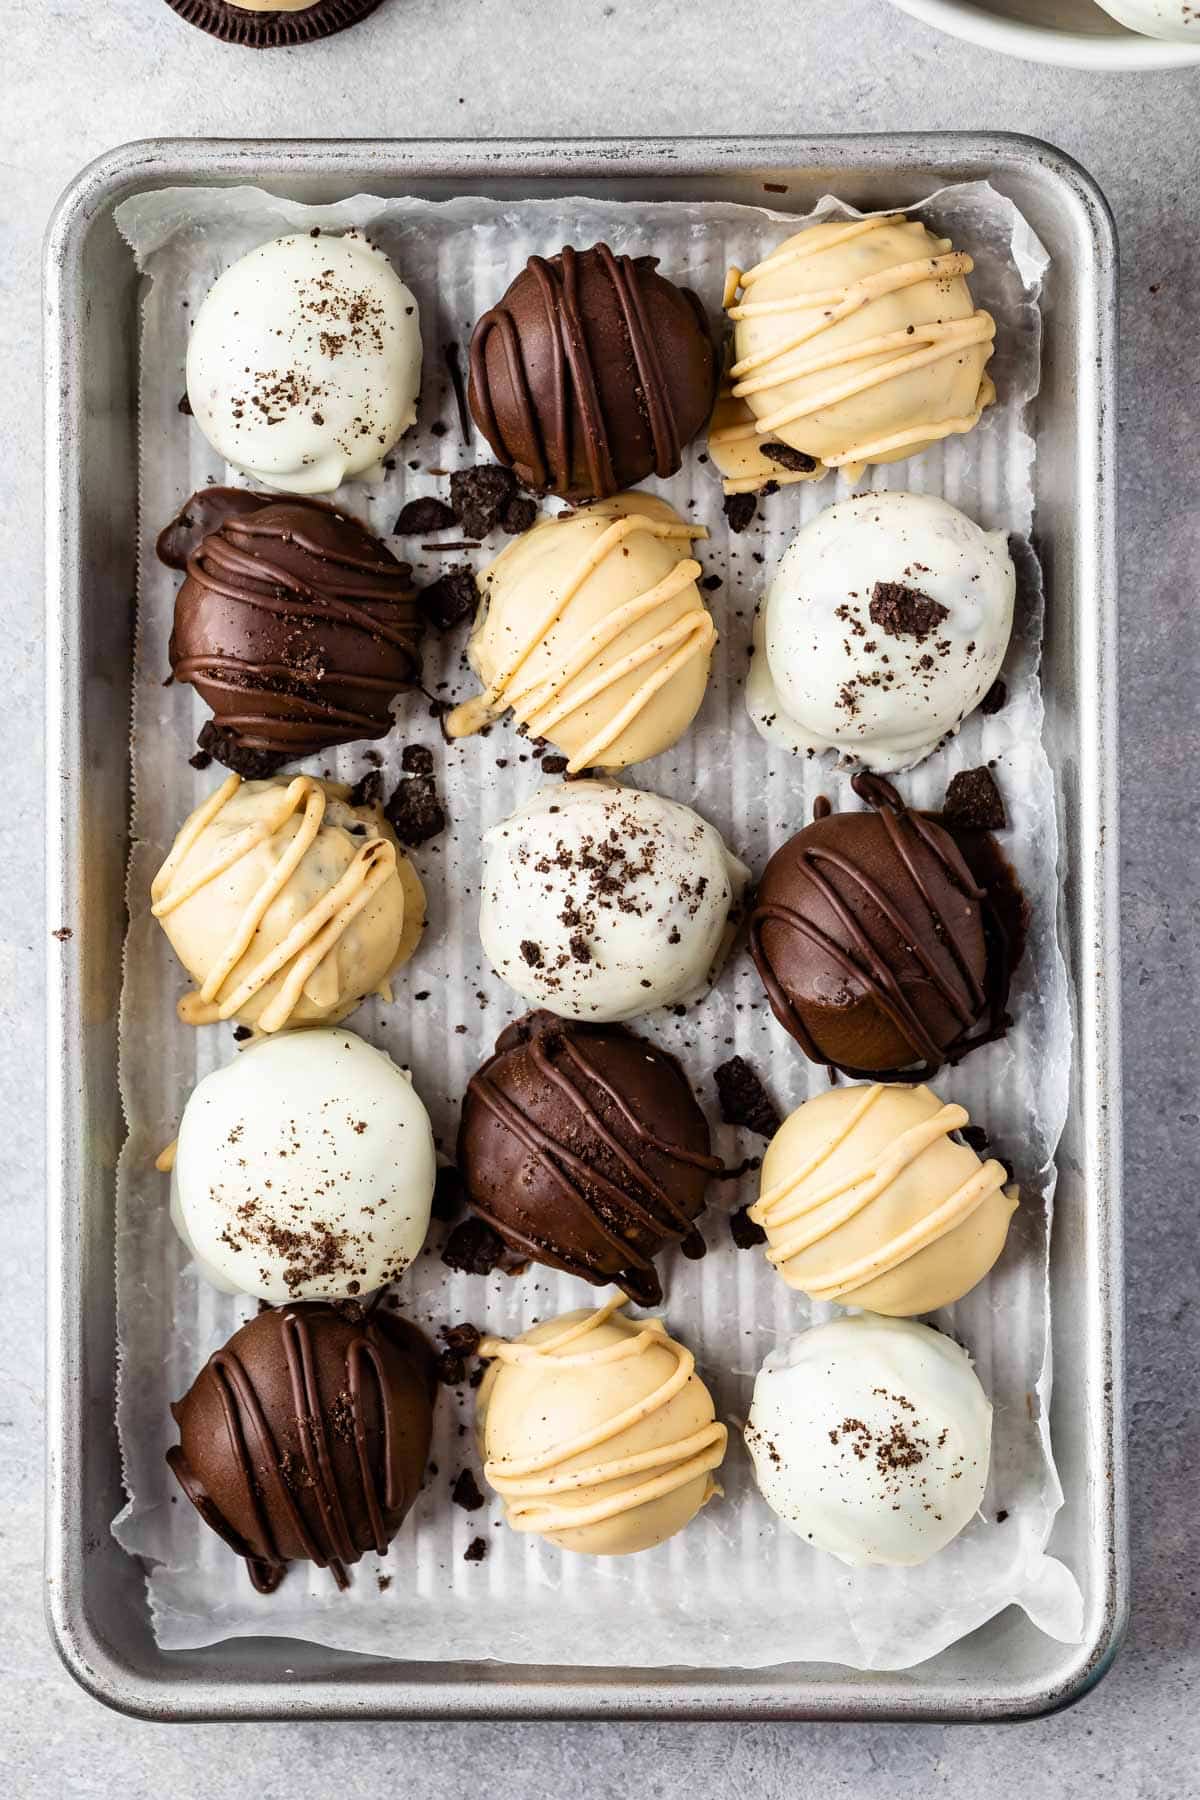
(554, 765)
(201, 760)
(241, 1033)
(784, 457)
(185, 406)
(368, 789)
(465, 1491)
(481, 496)
(744, 1231)
(476, 1550)
(711, 583)
(416, 759)
(449, 600)
(995, 698)
(473, 1248)
(464, 1339)
(693, 1246)
(414, 811)
(519, 515)
(744, 1100)
(221, 744)
(420, 517)
(973, 802)
(902, 611)
(739, 510)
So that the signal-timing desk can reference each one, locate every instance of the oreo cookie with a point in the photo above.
(272, 30)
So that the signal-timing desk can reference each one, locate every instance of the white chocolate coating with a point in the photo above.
(871, 1439)
(1176, 21)
(857, 342)
(600, 902)
(287, 905)
(593, 631)
(304, 362)
(867, 1199)
(827, 675)
(304, 1170)
(597, 1432)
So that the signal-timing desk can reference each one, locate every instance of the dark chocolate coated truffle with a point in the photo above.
(593, 372)
(295, 624)
(878, 949)
(305, 1438)
(584, 1148)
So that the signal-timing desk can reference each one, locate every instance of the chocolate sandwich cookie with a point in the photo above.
(259, 27)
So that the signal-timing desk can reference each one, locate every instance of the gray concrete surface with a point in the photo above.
(82, 76)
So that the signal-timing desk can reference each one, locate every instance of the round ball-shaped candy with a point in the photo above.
(857, 342)
(286, 904)
(869, 1198)
(594, 633)
(304, 1170)
(294, 624)
(593, 372)
(304, 1439)
(597, 1432)
(883, 628)
(304, 362)
(868, 933)
(1175, 21)
(584, 1147)
(871, 1439)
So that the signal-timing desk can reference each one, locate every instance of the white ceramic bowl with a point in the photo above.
(1074, 34)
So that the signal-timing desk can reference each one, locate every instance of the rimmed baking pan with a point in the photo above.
(95, 1593)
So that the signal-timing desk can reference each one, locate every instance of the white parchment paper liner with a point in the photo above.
(736, 1588)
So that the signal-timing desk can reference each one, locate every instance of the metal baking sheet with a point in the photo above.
(96, 1596)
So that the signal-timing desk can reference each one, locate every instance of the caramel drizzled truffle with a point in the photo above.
(593, 372)
(304, 1439)
(597, 1432)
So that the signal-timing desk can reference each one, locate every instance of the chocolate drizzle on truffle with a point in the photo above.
(593, 372)
(876, 947)
(584, 1148)
(305, 1437)
(295, 624)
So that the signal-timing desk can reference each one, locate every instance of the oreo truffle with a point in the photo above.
(880, 952)
(584, 1148)
(294, 624)
(593, 372)
(305, 1438)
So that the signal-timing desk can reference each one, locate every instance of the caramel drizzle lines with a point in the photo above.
(542, 704)
(257, 1454)
(311, 938)
(529, 1485)
(791, 1221)
(906, 350)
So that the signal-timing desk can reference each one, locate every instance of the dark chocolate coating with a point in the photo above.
(877, 948)
(584, 1148)
(592, 373)
(295, 624)
(306, 1437)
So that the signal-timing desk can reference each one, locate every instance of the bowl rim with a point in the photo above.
(1124, 50)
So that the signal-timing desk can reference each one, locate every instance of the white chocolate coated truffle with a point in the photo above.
(304, 362)
(867, 1199)
(286, 904)
(600, 902)
(304, 1170)
(593, 632)
(597, 1432)
(871, 1439)
(857, 342)
(1176, 21)
(848, 653)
